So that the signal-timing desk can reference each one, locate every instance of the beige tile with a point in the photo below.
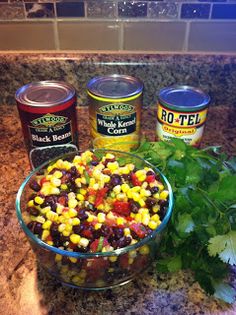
(88, 35)
(212, 36)
(168, 36)
(26, 36)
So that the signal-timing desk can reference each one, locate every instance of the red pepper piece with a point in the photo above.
(87, 233)
(43, 180)
(139, 229)
(150, 178)
(134, 180)
(98, 244)
(100, 196)
(121, 207)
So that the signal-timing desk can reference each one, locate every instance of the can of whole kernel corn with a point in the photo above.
(115, 111)
(181, 113)
(47, 111)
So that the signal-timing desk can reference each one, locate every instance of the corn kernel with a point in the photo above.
(40, 219)
(164, 194)
(121, 197)
(160, 186)
(153, 224)
(68, 227)
(50, 243)
(77, 182)
(77, 280)
(156, 196)
(143, 211)
(125, 188)
(138, 217)
(83, 191)
(132, 254)
(45, 209)
(72, 203)
(39, 200)
(141, 203)
(66, 233)
(61, 227)
(90, 217)
(112, 166)
(57, 174)
(113, 258)
(135, 189)
(58, 257)
(53, 216)
(56, 181)
(120, 221)
(110, 215)
(92, 182)
(30, 203)
(64, 187)
(155, 218)
(130, 261)
(127, 232)
(145, 219)
(156, 208)
(75, 221)
(72, 213)
(83, 242)
(106, 178)
(45, 234)
(144, 185)
(75, 238)
(117, 189)
(144, 250)
(136, 196)
(73, 260)
(59, 208)
(130, 166)
(129, 194)
(77, 159)
(97, 226)
(47, 224)
(109, 156)
(95, 186)
(101, 217)
(62, 219)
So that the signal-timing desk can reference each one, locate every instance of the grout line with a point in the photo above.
(55, 30)
(121, 36)
(186, 39)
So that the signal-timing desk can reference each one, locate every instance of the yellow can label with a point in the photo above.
(186, 125)
(115, 122)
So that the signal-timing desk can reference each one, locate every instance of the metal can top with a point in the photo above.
(115, 86)
(45, 93)
(183, 97)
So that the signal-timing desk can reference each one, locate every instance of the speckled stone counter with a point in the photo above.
(26, 289)
(215, 74)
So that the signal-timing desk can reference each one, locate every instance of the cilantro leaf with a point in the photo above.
(224, 246)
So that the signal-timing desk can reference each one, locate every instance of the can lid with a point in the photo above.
(184, 97)
(115, 86)
(45, 93)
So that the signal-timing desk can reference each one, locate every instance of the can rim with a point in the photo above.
(113, 77)
(162, 93)
(21, 95)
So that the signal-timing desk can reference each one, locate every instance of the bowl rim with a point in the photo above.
(115, 252)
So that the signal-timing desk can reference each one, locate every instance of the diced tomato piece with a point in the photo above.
(91, 192)
(49, 238)
(72, 245)
(43, 180)
(87, 234)
(150, 178)
(134, 180)
(121, 207)
(139, 229)
(100, 196)
(62, 200)
(111, 222)
(124, 261)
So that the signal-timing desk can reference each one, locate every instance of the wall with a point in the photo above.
(181, 26)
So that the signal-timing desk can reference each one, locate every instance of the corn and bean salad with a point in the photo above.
(95, 203)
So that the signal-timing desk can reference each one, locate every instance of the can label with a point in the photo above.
(188, 126)
(49, 129)
(115, 123)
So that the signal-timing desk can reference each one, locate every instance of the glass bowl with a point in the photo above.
(95, 270)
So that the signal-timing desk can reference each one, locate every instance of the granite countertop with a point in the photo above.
(26, 289)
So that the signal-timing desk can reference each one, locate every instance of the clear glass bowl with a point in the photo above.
(101, 270)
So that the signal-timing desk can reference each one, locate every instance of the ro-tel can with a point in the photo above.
(115, 111)
(181, 113)
(47, 111)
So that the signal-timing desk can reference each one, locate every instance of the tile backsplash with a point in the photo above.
(184, 26)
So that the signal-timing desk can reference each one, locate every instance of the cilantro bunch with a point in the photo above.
(201, 235)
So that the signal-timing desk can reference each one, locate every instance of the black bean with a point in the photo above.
(82, 215)
(33, 211)
(150, 202)
(149, 173)
(115, 180)
(34, 185)
(126, 177)
(54, 230)
(38, 228)
(94, 163)
(78, 228)
(123, 242)
(118, 232)
(154, 190)
(73, 170)
(106, 231)
(134, 206)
